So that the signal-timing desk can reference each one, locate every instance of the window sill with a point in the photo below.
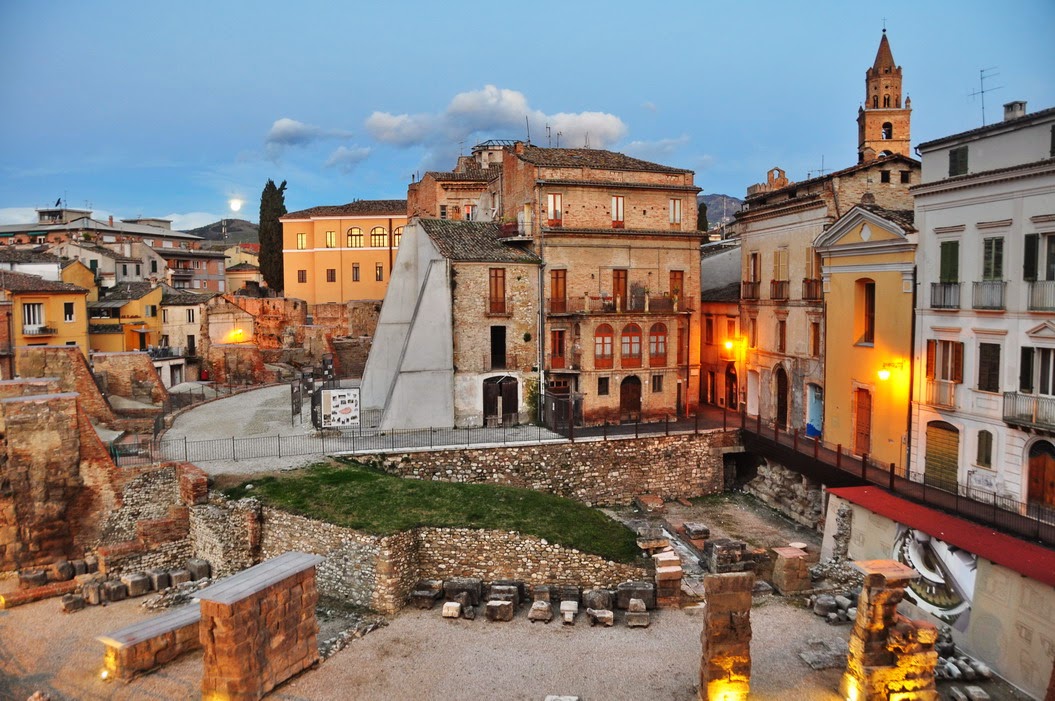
(865, 344)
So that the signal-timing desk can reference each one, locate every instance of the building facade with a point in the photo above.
(43, 312)
(984, 396)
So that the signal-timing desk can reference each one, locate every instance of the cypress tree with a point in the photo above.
(272, 206)
(701, 217)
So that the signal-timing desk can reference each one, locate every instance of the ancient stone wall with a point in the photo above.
(68, 366)
(237, 364)
(350, 354)
(594, 472)
(227, 535)
(792, 494)
(130, 375)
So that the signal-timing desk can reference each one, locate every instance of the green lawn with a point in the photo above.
(349, 494)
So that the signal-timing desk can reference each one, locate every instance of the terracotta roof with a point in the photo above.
(241, 266)
(167, 253)
(620, 185)
(250, 247)
(884, 57)
(473, 241)
(357, 208)
(180, 298)
(905, 218)
(996, 126)
(557, 231)
(100, 250)
(982, 173)
(589, 158)
(725, 293)
(11, 254)
(471, 174)
(23, 282)
(125, 291)
(835, 174)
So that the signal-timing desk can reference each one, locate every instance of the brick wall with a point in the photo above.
(594, 472)
(130, 375)
(67, 364)
(791, 493)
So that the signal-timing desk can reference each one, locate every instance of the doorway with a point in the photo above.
(814, 410)
(501, 401)
(941, 461)
(630, 398)
(862, 421)
(781, 377)
(732, 388)
(498, 347)
(1042, 474)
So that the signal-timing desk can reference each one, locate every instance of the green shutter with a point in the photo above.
(1025, 371)
(1030, 256)
(950, 262)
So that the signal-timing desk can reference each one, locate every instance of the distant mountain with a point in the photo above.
(720, 208)
(238, 231)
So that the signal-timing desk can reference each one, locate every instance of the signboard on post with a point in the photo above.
(340, 408)
(296, 398)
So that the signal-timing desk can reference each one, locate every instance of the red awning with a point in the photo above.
(1029, 559)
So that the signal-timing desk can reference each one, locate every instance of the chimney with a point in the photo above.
(111, 220)
(519, 147)
(1014, 110)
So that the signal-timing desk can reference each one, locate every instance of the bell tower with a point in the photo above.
(883, 122)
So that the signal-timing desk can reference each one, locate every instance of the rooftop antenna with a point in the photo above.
(527, 125)
(586, 140)
(461, 148)
(549, 137)
(559, 134)
(982, 90)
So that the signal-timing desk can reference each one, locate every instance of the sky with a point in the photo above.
(174, 109)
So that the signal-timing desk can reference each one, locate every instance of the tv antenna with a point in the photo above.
(559, 134)
(527, 125)
(820, 171)
(982, 90)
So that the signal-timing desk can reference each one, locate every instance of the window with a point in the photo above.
(302, 241)
(754, 267)
(630, 346)
(197, 265)
(886, 101)
(993, 259)
(67, 311)
(708, 331)
(33, 314)
(195, 284)
(355, 272)
(164, 316)
(331, 239)
(884, 176)
(190, 344)
(875, 102)
(888, 133)
(780, 264)
(674, 207)
(124, 269)
(752, 333)
(657, 344)
(331, 275)
(657, 383)
(397, 236)
(150, 310)
(153, 266)
(498, 347)
(496, 291)
(1037, 371)
(558, 291)
(379, 272)
(93, 265)
(554, 208)
(985, 449)
(354, 237)
(443, 211)
(378, 237)
(865, 308)
(989, 367)
(557, 347)
(958, 161)
(302, 276)
(602, 386)
(782, 335)
(190, 316)
(470, 212)
(949, 270)
(677, 282)
(602, 346)
(906, 177)
(139, 270)
(221, 285)
(815, 339)
(945, 361)
(617, 212)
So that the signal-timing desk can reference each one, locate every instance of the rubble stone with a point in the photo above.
(824, 604)
(93, 593)
(597, 599)
(638, 619)
(452, 609)
(180, 576)
(159, 579)
(72, 602)
(32, 578)
(138, 583)
(464, 598)
(199, 569)
(499, 611)
(976, 693)
(636, 606)
(600, 617)
(504, 593)
(624, 592)
(471, 586)
(115, 591)
(541, 611)
(79, 567)
(696, 530)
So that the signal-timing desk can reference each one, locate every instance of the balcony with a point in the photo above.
(779, 289)
(38, 330)
(565, 361)
(1029, 410)
(750, 290)
(988, 295)
(945, 295)
(638, 304)
(1042, 296)
(182, 273)
(497, 361)
(498, 306)
(941, 393)
(557, 305)
(812, 290)
(618, 224)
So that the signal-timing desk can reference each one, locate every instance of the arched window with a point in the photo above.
(985, 449)
(888, 130)
(602, 347)
(657, 345)
(875, 102)
(397, 236)
(378, 237)
(354, 238)
(630, 346)
(886, 101)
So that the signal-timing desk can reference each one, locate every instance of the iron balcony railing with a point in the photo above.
(497, 306)
(941, 393)
(750, 290)
(1042, 295)
(1029, 410)
(988, 294)
(39, 330)
(812, 289)
(638, 304)
(945, 295)
(779, 289)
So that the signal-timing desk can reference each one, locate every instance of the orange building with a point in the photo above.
(341, 253)
(44, 312)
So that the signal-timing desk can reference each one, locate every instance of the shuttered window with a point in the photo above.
(945, 361)
(958, 161)
(1031, 250)
(950, 262)
(985, 449)
(993, 259)
(989, 367)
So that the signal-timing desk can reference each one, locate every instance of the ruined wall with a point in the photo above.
(594, 472)
(67, 364)
(130, 375)
(792, 494)
(350, 354)
(227, 535)
(237, 364)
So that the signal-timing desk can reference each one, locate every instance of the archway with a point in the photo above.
(781, 378)
(1042, 474)
(630, 398)
(501, 400)
(732, 388)
(942, 458)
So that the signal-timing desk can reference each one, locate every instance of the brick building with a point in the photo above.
(883, 124)
(456, 194)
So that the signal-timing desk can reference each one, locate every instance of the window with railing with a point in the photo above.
(558, 291)
(554, 207)
(602, 347)
(945, 294)
(617, 212)
(944, 370)
(988, 294)
(812, 289)
(496, 295)
(778, 289)
(750, 290)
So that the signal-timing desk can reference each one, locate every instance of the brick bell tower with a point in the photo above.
(883, 123)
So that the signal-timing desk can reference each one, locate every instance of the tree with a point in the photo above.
(272, 206)
(701, 217)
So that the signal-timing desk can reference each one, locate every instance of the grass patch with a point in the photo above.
(349, 494)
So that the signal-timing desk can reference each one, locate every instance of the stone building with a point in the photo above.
(782, 300)
(984, 394)
(721, 340)
(455, 342)
(456, 194)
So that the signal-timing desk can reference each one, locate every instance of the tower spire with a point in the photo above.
(883, 121)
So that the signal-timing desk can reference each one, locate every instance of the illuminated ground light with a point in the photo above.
(236, 336)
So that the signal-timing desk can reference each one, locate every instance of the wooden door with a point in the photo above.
(862, 422)
(557, 351)
(1042, 473)
(510, 401)
(619, 287)
(630, 398)
(558, 291)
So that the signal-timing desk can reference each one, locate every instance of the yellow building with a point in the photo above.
(77, 273)
(341, 253)
(867, 260)
(45, 312)
(127, 318)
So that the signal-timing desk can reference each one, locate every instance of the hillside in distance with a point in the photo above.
(238, 231)
(720, 208)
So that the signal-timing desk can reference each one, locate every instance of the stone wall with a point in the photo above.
(68, 366)
(792, 494)
(227, 534)
(350, 354)
(594, 472)
(241, 363)
(130, 375)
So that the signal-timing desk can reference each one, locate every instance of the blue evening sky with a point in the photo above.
(171, 109)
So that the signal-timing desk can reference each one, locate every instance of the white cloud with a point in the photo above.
(345, 158)
(492, 112)
(17, 215)
(650, 106)
(657, 150)
(289, 132)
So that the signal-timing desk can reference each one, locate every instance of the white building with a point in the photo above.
(984, 388)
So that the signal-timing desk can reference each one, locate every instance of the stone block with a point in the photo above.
(199, 569)
(696, 530)
(541, 611)
(976, 693)
(32, 578)
(138, 583)
(91, 563)
(569, 593)
(465, 600)
(93, 593)
(424, 599)
(499, 611)
(666, 558)
(542, 592)
(669, 573)
(824, 605)
(115, 591)
(521, 587)
(435, 585)
(624, 592)
(552, 697)
(843, 603)
(471, 586)
(79, 567)
(637, 619)
(452, 609)
(956, 695)
(636, 606)
(180, 576)
(504, 593)
(649, 503)
(597, 599)
(61, 571)
(72, 602)
(159, 579)
(602, 617)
